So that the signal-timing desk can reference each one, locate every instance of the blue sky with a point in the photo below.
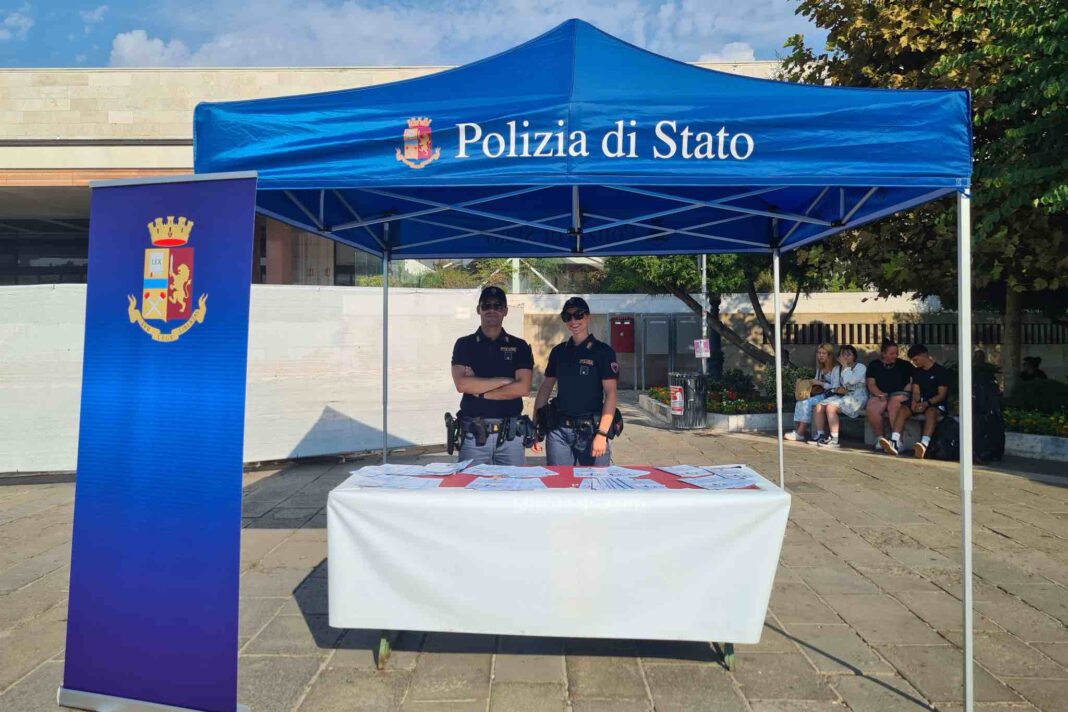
(72, 33)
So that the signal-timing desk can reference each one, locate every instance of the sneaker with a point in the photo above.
(919, 450)
(878, 446)
(793, 436)
(829, 442)
(889, 445)
(823, 440)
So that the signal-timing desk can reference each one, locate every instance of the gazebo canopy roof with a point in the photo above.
(579, 143)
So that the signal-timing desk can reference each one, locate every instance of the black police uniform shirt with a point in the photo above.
(492, 358)
(929, 380)
(890, 379)
(579, 370)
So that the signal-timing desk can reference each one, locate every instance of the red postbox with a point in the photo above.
(622, 339)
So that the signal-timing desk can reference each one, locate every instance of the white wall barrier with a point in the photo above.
(314, 371)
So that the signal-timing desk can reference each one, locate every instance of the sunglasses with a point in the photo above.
(576, 315)
(492, 306)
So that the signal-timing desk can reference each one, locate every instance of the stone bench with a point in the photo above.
(858, 429)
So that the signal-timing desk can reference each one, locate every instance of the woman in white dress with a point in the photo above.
(849, 398)
(823, 381)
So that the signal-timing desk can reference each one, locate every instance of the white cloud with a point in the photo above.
(95, 15)
(80, 58)
(137, 49)
(731, 52)
(16, 24)
(376, 32)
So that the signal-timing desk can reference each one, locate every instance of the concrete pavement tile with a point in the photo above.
(285, 518)
(357, 649)
(257, 543)
(311, 596)
(26, 647)
(411, 705)
(684, 688)
(942, 611)
(796, 603)
(772, 640)
(36, 691)
(931, 536)
(676, 652)
(804, 555)
(837, 579)
(604, 671)
(936, 671)
(271, 583)
(529, 660)
(528, 697)
(796, 706)
(897, 579)
(836, 649)
(453, 667)
(348, 690)
(1046, 695)
(880, 619)
(617, 705)
(254, 613)
(273, 684)
(918, 559)
(1023, 620)
(295, 554)
(885, 694)
(23, 606)
(34, 568)
(294, 635)
(780, 676)
(1005, 656)
(950, 582)
(1048, 598)
(997, 570)
(1057, 651)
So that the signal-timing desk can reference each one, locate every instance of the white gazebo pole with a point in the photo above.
(385, 353)
(778, 365)
(964, 340)
(704, 308)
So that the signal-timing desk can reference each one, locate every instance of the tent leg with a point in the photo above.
(964, 339)
(778, 366)
(385, 357)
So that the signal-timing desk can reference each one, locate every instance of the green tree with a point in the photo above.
(680, 276)
(1013, 54)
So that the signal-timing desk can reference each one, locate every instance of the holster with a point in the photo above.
(617, 425)
(526, 430)
(454, 432)
(478, 429)
(545, 420)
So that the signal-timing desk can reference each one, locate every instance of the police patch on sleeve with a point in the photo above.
(615, 367)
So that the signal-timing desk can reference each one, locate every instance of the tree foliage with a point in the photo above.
(1013, 54)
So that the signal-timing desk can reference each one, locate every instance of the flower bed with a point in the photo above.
(1034, 423)
(726, 402)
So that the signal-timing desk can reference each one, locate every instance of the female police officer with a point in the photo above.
(585, 373)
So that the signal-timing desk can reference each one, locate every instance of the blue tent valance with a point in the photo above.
(579, 143)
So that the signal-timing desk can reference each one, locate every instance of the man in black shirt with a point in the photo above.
(585, 372)
(888, 380)
(493, 369)
(930, 395)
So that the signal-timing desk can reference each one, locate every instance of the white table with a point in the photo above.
(687, 565)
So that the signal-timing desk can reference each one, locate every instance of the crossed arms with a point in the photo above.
(498, 388)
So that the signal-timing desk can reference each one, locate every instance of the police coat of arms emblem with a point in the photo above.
(419, 150)
(167, 289)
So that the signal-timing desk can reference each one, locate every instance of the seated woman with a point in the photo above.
(849, 397)
(824, 379)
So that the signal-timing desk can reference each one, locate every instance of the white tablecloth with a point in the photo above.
(660, 565)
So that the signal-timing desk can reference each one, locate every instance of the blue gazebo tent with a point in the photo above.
(577, 143)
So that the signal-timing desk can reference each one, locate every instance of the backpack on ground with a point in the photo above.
(945, 442)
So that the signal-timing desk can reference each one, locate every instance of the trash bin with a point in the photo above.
(688, 394)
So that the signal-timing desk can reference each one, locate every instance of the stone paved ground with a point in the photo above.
(864, 616)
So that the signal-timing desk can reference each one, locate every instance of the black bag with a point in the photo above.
(945, 443)
(988, 425)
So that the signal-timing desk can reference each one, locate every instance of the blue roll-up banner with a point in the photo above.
(157, 512)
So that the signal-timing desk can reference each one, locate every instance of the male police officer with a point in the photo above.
(493, 369)
(585, 372)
